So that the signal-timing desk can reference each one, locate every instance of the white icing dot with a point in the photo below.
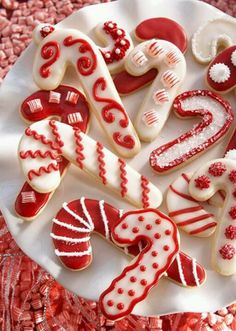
(117, 51)
(123, 42)
(107, 55)
(119, 32)
(231, 154)
(219, 73)
(233, 58)
(110, 25)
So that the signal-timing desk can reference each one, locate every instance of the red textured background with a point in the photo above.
(30, 299)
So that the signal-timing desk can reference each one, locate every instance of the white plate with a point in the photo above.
(34, 238)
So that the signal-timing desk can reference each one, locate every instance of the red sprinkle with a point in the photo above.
(202, 182)
(217, 169)
(230, 232)
(232, 212)
(232, 176)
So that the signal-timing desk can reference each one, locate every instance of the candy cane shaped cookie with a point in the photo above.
(157, 28)
(77, 220)
(57, 49)
(220, 174)
(186, 212)
(213, 35)
(171, 66)
(118, 45)
(144, 272)
(221, 72)
(217, 116)
(45, 141)
(70, 106)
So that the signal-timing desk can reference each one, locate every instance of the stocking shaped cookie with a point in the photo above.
(70, 106)
(78, 220)
(118, 44)
(213, 35)
(45, 141)
(144, 272)
(57, 49)
(217, 117)
(171, 66)
(220, 174)
(154, 28)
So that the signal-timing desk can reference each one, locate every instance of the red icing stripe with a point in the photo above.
(101, 163)
(185, 177)
(203, 228)
(145, 191)
(184, 196)
(123, 177)
(34, 155)
(79, 149)
(50, 168)
(195, 220)
(185, 211)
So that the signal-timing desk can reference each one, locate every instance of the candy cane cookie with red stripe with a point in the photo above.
(70, 106)
(118, 45)
(79, 219)
(58, 48)
(45, 141)
(217, 117)
(171, 66)
(188, 214)
(220, 174)
(214, 35)
(142, 273)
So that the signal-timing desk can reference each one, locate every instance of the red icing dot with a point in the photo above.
(157, 235)
(202, 182)
(167, 232)
(217, 169)
(124, 226)
(234, 193)
(157, 221)
(141, 218)
(166, 248)
(120, 306)
(227, 252)
(232, 176)
(155, 265)
(110, 303)
(131, 293)
(143, 268)
(154, 253)
(120, 290)
(232, 212)
(135, 229)
(148, 226)
(230, 232)
(143, 282)
(46, 30)
(133, 279)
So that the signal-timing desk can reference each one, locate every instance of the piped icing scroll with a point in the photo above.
(64, 47)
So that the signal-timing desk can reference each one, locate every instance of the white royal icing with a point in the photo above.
(219, 73)
(171, 73)
(233, 58)
(211, 36)
(54, 97)
(224, 247)
(47, 182)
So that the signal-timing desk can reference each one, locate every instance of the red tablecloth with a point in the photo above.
(30, 299)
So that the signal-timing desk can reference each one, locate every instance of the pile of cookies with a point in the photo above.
(60, 117)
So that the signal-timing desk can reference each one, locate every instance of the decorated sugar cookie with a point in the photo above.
(220, 174)
(221, 72)
(56, 50)
(157, 28)
(187, 213)
(77, 220)
(136, 280)
(118, 44)
(171, 66)
(70, 106)
(213, 35)
(45, 142)
(217, 117)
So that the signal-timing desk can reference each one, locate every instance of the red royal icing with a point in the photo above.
(93, 207)
(202, 182)
(101, 163)
(232, 176)
(46, 30)
(225, 58)
(85, 65)
(232, 212)
(145, 191)
(123, 178)
(121, 44)
(217, 169)
(51, 52)
(227, 252)
(230, 232)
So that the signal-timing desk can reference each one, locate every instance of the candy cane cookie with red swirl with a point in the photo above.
(212, 36)
(46, 141)
(171, 66)
(145, 270)
(57, 48)
(154, 28)
(68, 105)
(79, 219)
(217, 117)
(118, 45)
(215, 175)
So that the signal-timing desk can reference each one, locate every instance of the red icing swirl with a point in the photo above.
(50, 51)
